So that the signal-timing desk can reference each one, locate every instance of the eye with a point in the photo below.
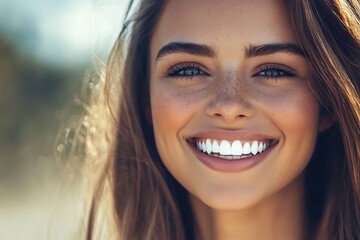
(186, 70)
(275, 72)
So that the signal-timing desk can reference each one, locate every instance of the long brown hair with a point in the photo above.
(147, 203)
(329, 33)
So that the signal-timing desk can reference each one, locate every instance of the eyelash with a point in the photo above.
(179, 70)
(281, 72)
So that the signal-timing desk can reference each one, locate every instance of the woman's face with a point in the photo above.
(234, 119)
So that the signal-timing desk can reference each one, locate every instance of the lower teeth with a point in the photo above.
(229, 157)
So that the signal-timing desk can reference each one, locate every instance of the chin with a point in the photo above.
(231, 201)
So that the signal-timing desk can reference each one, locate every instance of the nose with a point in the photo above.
(230, 101)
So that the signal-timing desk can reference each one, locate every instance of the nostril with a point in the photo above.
(220, 115)
(229, 111)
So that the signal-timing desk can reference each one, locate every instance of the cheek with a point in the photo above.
(173, 105)
(165, 112)
(302, 114)
(296, 115)
(295, 110)
(172, 109)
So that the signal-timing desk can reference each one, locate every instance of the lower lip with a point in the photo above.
(223, 165)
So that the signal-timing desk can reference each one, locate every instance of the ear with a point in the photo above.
(326, 121)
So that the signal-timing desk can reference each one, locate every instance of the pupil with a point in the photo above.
(273, 73)
(190, 72)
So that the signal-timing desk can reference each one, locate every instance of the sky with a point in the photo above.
(62, 31)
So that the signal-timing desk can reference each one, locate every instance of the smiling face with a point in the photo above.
(234, 119)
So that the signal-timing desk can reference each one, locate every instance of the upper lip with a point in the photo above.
(231, 135)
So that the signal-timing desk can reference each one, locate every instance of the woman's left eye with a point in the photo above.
(185, 70)
(275, 72)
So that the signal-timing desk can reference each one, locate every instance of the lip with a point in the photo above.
(223, 165)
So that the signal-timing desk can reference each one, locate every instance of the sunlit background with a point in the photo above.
(46, 46)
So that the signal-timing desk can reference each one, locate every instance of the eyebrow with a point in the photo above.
(208, 51)
(185, 47)
(265, 49)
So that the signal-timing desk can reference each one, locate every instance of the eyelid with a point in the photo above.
(275, 66)
(182, 65)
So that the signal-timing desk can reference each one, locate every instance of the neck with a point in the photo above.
(280, 216)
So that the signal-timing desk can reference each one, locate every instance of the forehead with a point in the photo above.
(225, 22)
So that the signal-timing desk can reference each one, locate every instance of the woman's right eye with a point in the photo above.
(186, 70)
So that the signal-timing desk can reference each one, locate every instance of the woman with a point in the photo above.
(231, 120)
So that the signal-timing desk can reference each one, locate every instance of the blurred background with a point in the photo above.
(47, 47)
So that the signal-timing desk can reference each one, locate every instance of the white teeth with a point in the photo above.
(236, 148)
(203, 147)
(260, 147)
(254, 147)
(208, 146)
(215, 147)
(246, 148)
(225, 148)
(231, 151)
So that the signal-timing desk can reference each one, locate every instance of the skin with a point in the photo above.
(230, 94)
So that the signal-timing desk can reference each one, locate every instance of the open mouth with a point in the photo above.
(231, 150)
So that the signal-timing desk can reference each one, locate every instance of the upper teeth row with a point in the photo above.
(237, 147)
